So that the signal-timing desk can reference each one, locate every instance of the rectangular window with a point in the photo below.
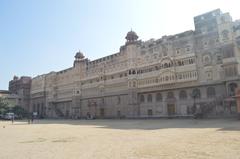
(150, 113)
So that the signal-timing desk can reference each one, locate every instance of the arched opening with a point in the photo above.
(166, 65)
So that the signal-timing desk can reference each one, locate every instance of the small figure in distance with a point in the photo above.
(29, 118)
(32, 117)
(12, 118)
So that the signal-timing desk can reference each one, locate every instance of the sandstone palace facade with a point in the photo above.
(171, 76)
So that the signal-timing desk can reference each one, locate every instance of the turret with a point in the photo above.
(79, 58)
(131, 37)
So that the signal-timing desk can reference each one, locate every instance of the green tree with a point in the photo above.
(19, 111)
(4, 106)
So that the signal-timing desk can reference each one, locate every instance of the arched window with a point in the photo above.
(182, 95)
(211, 92)
(232, 88)
(196, 93)
(206, 60)
(142, 99)
(134, 84)
(166, 65)
(149, 98)
(158, 97)
(170, 95)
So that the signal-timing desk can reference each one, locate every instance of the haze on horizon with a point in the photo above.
(38, 37)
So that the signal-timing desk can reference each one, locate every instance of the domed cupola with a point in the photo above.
(79, 58)
(79, 55)
(131, 37)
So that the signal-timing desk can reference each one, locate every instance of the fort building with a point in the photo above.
(170, 76)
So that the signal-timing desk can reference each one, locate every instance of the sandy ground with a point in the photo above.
(120, 139)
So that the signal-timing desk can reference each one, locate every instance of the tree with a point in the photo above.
(4, 106)
(19, 111)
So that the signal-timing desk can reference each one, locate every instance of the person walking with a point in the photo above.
(32, 117)
(12, 118)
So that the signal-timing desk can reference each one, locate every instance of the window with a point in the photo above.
(211, 92)
(142, 99)
(170, 95)
(206, 59)
(134, 84)
(182, 95)
(166, 65)
(150, 113)
(159, 97)
(196, 93)
(177, 50)
(232, 88)
(149, 98)
(191, 61)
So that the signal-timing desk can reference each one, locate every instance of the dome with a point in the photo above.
(79, 55)
(131, 36)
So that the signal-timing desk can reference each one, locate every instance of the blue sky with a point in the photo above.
(39, 36)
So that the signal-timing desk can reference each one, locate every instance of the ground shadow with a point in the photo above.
(145, 124)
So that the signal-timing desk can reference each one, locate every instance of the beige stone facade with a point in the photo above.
(20, 88)
(171, 76)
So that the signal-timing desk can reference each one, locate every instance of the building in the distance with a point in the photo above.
(10, 99)
(171, 76)
(20, 87)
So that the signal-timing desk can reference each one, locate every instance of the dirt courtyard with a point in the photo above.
(120, 139)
